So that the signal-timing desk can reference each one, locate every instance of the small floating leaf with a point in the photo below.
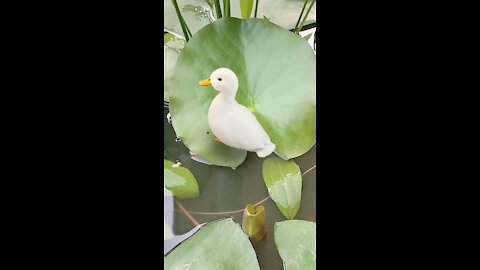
(253, 223)
(284, 182)
(296, 244)
(217, 245)
(180, 181)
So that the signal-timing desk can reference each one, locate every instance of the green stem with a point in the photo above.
(240, 210)
(188, 29)
(180, 19)
(226, 8)
(256, 8)
(306, 15)
(300, 17)
(218, 10)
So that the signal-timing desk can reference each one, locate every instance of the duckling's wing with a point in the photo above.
(245, 124)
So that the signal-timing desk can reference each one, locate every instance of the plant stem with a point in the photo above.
(218, 10)
(239, 210)
(226, 8)
(188, 29)
(306, 15)
(300, 17)
(256, 8)
(186, 213)
(180, 19)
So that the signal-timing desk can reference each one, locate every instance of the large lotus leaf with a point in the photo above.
(179, 181)
(216, 246)
(276, 72)
(284, 182)
(198, 13)
(296, 244)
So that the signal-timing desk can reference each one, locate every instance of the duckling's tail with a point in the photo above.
(267, 150)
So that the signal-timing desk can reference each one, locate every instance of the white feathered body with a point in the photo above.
(236, 126)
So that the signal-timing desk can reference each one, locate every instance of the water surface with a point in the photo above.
(225, 190)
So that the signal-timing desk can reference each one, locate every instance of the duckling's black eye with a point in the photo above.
(220, 79)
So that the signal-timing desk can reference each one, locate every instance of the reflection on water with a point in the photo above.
(225, 190)
(168, 245)
(199, 158)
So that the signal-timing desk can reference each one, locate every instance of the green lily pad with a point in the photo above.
(284, 182)
(171, 49)
(169, 60)
(276, 72)
(180, 181)
(296, 244)
(218, 245)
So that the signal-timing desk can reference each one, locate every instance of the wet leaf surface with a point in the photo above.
(296, 244)
(179, 181)
(284, 182)
(216, 246)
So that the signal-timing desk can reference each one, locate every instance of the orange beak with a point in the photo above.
(205, 83)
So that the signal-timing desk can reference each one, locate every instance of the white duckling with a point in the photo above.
(232, 123)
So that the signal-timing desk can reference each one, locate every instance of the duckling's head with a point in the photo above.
(223, 80)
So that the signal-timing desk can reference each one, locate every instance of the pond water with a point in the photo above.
(229, 191)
